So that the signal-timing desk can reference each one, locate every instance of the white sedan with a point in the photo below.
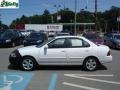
(62, 50)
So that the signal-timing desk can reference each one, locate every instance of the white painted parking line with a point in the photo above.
(92, 79)
(96, 75)
(80, 86)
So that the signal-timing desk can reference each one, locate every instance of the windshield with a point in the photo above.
(36, 35)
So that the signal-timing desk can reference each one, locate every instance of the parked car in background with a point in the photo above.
(1, 31)
(62, 50)
(62, 34)
(35, 38)
(26, 33)
(112, 40)
(11, 38)
(94, 37)
(51, 34)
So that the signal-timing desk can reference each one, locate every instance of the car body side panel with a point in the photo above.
(102, 52)
(66, 56)
(52, 56)
(30, 51)
(77, 55)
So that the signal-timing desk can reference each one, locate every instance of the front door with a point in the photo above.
(54, 53)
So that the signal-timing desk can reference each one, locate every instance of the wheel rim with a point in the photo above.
(91, 64)
(27, 64)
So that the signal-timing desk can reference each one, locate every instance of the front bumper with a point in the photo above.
(16, 59)
(4, 44)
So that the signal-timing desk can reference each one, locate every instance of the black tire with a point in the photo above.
(114, 46)
(28, 64)
(90, 64)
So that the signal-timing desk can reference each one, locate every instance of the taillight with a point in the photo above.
(109, 53)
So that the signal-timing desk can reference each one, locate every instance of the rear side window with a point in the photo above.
(75, 42)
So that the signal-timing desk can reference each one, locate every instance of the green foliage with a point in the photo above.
(105, 20)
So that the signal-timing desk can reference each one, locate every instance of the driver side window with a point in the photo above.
(58, 43)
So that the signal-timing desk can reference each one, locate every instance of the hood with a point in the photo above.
(27, 48)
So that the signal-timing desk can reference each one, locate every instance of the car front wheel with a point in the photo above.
(28, 64)
(90, 64)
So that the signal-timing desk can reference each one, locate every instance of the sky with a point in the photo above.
(33, 7)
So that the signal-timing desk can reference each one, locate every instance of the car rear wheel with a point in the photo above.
(28, 64)
(90, 64)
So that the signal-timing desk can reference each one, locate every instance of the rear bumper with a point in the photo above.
(107, 59)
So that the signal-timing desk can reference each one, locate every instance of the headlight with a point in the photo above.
(14, 53)
(39, 41)
(8, 41)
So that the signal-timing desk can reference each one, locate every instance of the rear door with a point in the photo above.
(78, 50)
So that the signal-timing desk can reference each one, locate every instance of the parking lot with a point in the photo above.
(67, 77)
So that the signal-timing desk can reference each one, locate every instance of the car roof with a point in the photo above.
(68, 36)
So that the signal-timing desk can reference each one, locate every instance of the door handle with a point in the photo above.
(63, 51)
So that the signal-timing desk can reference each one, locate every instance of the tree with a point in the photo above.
(110, 17)
(67, 16)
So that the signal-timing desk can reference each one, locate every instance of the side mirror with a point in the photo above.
(45, 49)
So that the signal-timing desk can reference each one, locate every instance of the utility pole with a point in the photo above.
(0, 22)
(96, 14)
(64, 5)
(75, 17)
(57, 7)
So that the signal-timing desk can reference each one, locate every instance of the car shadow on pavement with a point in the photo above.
(11, 67)
(71, 67)
(59, 68)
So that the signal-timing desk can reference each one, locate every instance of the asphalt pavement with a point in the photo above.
(63, 77)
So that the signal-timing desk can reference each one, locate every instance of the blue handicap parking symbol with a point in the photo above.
(14, 80)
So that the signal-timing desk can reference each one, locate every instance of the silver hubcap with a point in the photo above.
(91, 64)
(27, 64)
